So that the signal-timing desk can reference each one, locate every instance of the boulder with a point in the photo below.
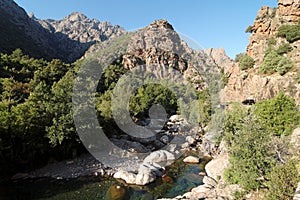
(158, 144)
(190, 139)
(164, 139)
(128, 177)
(295, 138)
(160, 156)
(210, 182)
(191, 160)
(116, 192)
(153, 168)
(174, 118)
(144, 179)
(216, 167)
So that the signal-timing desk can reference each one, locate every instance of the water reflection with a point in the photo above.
(178, 179)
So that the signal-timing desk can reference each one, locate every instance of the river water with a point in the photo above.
(180, 178)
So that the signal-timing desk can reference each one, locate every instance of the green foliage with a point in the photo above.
(149, 95)
(238, 57)
(284, 65)
(272, 41)
(284, 48)
(246, 62)
(234, 122)
(274, 62)
(290, 32)
(224, 77)
(258, 148)
(204, 101)
(279, 115)
(62, 127)
(283, 181)
(33, 97)
(250, 157)
(249, 29)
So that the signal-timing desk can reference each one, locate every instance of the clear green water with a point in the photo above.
(182, 178)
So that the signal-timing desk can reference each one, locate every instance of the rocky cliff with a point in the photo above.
(266, 25)
(252, 83)
(158, 44)
(77, 33)
(66, 39)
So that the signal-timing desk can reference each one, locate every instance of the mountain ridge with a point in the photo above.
(51, 39)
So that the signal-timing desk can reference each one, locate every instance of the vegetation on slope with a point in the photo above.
(259, 147)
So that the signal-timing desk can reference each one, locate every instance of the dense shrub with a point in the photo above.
(149, 95)
(246, 62)
(272, 41)
(284, 65)
(250, 157)
(283, 181)
(238, 57)
(258, 148)
(249, 29)
(290, 32)
(284, 48)
(279, 115)
(32, 98)
(270, 62)
(274, 62)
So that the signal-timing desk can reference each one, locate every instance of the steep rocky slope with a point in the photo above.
(66, 39)
(77, 32)
(266, 26)
(252, 83)
(19, 31)
(159, 44)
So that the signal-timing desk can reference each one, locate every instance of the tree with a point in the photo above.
(290, 32)
(246, 62)
(283, 181)
(250, 157)
(62, 128)
(249, 29)
(279, 115)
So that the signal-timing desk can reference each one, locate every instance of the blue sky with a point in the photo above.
(211, 23)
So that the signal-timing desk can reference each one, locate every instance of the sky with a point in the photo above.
(210, 23)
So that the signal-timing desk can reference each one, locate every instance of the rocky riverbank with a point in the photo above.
(154, 164)
(214, 186)
(177, 137)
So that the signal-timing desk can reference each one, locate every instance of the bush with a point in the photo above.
(271, 41)
(279, 115)
(249, 29)
(270, 62)
(284, 65)
(259, 153)
(246, 62)
(238, 57)
(284, 48)
(273, 62)
(250, 157)
(290, 32)
(283, 180)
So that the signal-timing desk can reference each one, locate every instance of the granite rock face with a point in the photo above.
(81, 31)
(251, 83)
(266, 25)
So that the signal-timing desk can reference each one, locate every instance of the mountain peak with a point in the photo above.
(162, 23)
(76, 16)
